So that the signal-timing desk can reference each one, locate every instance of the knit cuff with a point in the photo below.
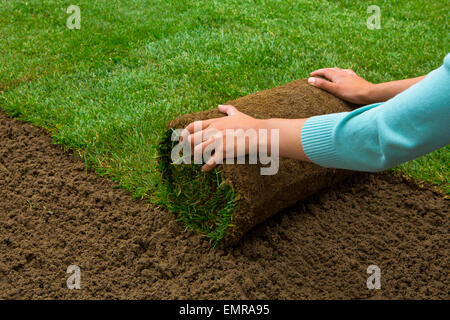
(318, 139)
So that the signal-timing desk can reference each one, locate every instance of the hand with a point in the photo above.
(343, 83)
(201, 134)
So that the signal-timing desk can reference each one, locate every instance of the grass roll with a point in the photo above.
(227, 202)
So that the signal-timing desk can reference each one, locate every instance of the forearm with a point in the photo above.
(378, 137)
(289, 144)
(381, 92)
(371, 138)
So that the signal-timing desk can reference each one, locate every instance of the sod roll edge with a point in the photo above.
(224, 204)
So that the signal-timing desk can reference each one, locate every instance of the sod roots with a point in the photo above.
(224, 204)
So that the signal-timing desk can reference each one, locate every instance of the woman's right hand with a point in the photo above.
(343, 83)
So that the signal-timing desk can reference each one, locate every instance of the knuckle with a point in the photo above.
(319, 82)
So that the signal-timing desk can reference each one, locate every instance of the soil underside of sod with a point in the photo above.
(53, 214)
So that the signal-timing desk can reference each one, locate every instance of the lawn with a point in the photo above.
(108, 89)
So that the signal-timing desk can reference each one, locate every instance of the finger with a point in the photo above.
(329, 73)
(215, 159)
(183, 135)
(200, 136)
(350, 71)
(212, 162)
(201, 146)
(323, 84)
(228, 109)
(198, 125)
(196, 138)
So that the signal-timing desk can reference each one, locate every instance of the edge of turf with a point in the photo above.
(203, 201)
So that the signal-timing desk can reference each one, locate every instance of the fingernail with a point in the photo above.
(312, 80)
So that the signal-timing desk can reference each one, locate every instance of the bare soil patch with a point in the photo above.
(53, 214)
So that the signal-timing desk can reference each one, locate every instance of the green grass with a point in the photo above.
(108, 90)
(204, 202)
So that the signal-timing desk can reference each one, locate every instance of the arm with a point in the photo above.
(371, 138)
(347, 85)
(380, 136)
(384, 91)
(201, 134)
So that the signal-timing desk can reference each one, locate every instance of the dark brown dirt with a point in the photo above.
(128, 249)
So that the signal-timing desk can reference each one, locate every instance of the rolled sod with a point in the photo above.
(226, 203)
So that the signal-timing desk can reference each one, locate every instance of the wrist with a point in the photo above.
(262, 125)
(368, 94)
(288, 141)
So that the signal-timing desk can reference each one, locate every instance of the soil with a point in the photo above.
(53, 213)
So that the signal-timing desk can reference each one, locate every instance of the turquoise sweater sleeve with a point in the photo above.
(380, 136)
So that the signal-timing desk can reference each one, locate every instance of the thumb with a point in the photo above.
(323, 84)
(228, 109)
